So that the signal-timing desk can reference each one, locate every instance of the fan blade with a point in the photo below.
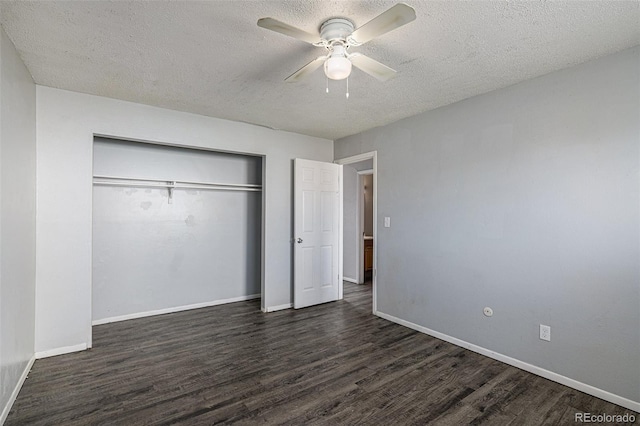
(306, 70)
(286, 29)
(372, 67)
(397, 16)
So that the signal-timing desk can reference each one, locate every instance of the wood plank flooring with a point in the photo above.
(333, 364)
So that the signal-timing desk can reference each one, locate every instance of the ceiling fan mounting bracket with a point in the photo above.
(336, 30)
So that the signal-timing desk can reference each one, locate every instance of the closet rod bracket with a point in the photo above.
(170, 187)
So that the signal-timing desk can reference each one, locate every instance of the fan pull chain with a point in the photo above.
(347, 87)
(327, 84)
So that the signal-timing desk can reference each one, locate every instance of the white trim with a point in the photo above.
(355, 158)
(365, 172)
(350, 280)
(279, 307)
(61, 351)
(374, 273)
(360, 208)
(263, 234)
(16, 390)
(563, 380)
(174, 309)
(89, 317)
(340, 233)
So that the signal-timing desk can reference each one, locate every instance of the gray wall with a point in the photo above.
(526, 200)
(17, 220)
(150, 255)
(350, 234)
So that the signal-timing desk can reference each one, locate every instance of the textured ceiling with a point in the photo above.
(210, 57)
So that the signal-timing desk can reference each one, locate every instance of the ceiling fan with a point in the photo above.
(337, 35)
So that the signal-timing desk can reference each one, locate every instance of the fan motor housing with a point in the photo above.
(336, 29)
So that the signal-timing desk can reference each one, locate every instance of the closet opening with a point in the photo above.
(173, 229)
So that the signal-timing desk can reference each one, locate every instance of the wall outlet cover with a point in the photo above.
(545, 332)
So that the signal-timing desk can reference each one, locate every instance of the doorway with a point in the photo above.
(365, 184)
(359, 243)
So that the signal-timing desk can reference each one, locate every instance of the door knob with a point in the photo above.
(299, 240)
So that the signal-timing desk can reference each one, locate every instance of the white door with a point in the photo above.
(317, 195)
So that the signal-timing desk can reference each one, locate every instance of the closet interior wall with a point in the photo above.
(158, 246)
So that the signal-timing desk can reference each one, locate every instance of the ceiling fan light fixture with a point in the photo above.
(337, 67)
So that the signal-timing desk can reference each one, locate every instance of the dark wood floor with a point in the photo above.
(331, 364)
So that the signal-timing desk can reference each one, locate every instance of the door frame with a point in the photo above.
(372, 155)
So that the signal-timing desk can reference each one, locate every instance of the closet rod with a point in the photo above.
(164, 182)
(178, 186)
(155, 183)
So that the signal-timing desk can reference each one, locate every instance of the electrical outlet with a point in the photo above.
(487, 311)
(545, 332)
(387, 222)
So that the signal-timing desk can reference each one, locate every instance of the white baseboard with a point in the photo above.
(61, 351)
(174, 309)
(351, 280)
(563, 380)
(16, 390)
(279, 307)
